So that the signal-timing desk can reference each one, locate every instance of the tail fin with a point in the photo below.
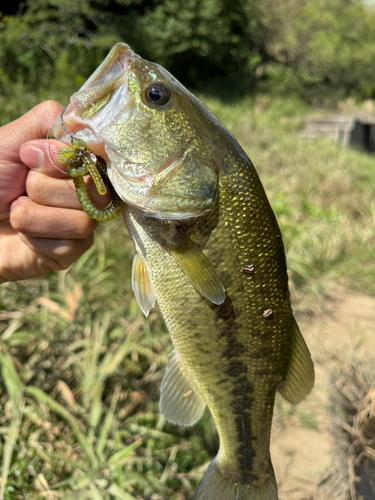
(215, 486)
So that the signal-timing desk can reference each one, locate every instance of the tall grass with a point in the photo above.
(81, 370)
(81, 367)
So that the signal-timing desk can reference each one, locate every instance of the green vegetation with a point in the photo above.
(81, 368)
(81, 371)
(318, 48)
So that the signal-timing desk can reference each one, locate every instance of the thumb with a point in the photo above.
(35, 124)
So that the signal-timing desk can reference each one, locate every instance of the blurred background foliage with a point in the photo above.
(317, 48)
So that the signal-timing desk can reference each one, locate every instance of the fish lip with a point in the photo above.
(88, 129)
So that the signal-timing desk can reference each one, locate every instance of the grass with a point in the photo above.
(81, 367)
(80, 388)
(352, 474)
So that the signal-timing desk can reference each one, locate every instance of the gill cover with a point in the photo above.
(179, 186)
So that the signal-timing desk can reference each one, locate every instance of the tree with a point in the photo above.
(316, 47)
(326, 45)
(195, 39)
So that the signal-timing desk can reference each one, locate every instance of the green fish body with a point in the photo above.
(209, 250)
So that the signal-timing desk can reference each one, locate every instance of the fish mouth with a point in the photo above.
(97, 103)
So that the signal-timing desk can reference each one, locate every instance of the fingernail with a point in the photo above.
(32, 156)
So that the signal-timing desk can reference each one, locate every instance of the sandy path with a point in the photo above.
(302, 445)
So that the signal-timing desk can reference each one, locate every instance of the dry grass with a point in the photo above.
(352, 472)
(357, 431)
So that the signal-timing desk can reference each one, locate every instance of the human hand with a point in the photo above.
(42, 225)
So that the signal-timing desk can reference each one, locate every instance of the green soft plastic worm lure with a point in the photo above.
(80, 161)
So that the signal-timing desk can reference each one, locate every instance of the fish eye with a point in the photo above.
(157, 93)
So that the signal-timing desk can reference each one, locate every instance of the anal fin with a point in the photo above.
(180, 401)
(300, 377)
(198, 268)
(142, 286)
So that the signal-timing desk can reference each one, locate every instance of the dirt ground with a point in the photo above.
(303, 449)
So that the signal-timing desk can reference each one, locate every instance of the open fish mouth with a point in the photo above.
(124, 115)
(98, 103)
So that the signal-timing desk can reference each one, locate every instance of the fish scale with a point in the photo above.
(209, 250)
(237, 327)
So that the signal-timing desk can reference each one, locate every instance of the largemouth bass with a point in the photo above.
(209, 250)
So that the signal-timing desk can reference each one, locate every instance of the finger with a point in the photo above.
(35, 124)
(18, 261)
(53, 192)
(39, 221)
(64, 252)
(42, 156)
(32, 125)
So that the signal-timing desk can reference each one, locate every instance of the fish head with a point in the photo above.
(154, 135)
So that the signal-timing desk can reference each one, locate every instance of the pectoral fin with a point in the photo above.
(180, 402)
(142, 286)
(300, 376)
(198, 269)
